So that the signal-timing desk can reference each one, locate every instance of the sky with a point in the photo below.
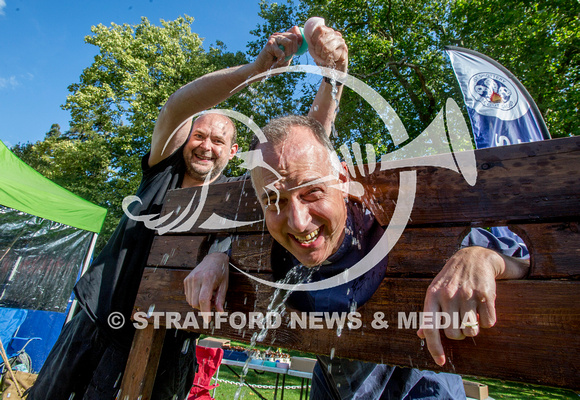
(42, 49)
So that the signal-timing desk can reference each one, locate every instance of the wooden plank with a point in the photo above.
(554, 248)
(142, 364)
(177, 251)
(252, 252)
(249, 252)
(526, 182)
(235, 200)
(529, 182)
(535, 339)
(423, 251)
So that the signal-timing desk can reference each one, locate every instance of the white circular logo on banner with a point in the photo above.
(495, 94)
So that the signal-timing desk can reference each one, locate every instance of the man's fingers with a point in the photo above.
(486, 310)
(220, 297)
(191, 291)
(205, 296)
(469, 322)
(431, 335)
(274, 49)
(434, 345)
(289, 44)
(328, 46)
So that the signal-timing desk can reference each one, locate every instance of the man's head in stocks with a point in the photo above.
(308, 212)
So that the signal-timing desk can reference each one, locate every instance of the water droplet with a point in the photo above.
(332, 353)
(118, 380)
(150, 311)
(185, 347)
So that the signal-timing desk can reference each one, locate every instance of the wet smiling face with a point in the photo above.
(209, 147)
(310, 218)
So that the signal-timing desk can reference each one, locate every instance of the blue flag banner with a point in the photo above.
(499, 107)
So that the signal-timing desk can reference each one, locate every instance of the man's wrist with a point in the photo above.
(221, 245)
(330, 80)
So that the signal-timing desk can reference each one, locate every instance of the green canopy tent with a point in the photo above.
(47, 234)
(24, 189)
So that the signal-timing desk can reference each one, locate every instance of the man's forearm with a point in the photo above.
(325, 105)
(203, 93)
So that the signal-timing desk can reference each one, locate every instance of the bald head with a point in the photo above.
(218, 118)
(211, 144)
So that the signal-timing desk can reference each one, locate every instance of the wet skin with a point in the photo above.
(309, 216)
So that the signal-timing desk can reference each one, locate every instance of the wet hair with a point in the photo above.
(277, 130)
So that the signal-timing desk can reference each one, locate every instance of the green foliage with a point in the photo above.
(539, 42)
(79, 165)
(137, 69)
(397, 47)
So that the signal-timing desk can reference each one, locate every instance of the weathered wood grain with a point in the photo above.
(421, 251)
(534, 188)
(529, 182)
(534, 340)
(144, 359)
(554, 248)
(176, 251)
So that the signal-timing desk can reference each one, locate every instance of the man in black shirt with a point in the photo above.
(90, 356)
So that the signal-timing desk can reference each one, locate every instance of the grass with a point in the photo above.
(497, 389)
(513, 390)
(228, 391)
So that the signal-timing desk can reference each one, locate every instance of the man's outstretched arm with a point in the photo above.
(207, 284)
(209, 90)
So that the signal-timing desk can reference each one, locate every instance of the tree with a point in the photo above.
(79, 165)
(539, 42)
(138, 67)
(397, 47)
(116, 103)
